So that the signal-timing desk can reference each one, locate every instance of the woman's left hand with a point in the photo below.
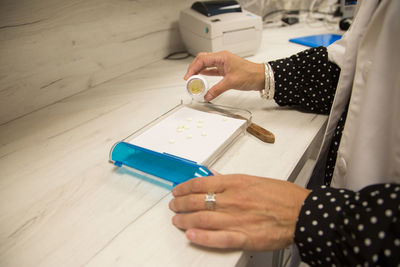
(251, 213)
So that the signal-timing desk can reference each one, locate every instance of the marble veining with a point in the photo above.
(50, 50)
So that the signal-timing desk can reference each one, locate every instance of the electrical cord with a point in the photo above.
(179, 55)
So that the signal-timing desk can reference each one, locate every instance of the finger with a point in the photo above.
(217, 239)
(188, 203)
(214, 184)
(202, 61)
(216, 90)
(211, 72)
(208, 220)
(196, 66)
(194, 202)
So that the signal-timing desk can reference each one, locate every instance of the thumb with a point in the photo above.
(216, 90)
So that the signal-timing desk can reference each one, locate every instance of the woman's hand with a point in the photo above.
(238, 73)
(251, 213)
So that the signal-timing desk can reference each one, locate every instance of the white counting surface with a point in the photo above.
(190, 134)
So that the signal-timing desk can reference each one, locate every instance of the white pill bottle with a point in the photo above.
(197, 87)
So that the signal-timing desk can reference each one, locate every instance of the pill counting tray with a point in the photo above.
(182, 143)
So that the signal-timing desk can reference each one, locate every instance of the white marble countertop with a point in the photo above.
(63, 204)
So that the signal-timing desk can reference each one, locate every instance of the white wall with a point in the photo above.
(52, 49)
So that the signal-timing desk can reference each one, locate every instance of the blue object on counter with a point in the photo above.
(165, 166)
(316, 40)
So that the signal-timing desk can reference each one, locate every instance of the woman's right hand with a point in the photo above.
(237, 72)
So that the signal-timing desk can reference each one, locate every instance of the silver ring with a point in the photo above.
(210, 201)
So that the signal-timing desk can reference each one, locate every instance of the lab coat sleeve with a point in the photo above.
(306, 80)
(346, 228)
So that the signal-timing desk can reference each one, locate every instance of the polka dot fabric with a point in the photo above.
(334, 147)
(338, 227)
(307, 80)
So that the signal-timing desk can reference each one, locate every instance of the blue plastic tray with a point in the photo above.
(165, 169)
(154, 164)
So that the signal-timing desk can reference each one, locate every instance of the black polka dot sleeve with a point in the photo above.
(338, 227)
(307, 80)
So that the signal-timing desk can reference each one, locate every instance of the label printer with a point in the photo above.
(212, 26)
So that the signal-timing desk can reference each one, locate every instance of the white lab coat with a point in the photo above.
(369, 151)
(369, 58)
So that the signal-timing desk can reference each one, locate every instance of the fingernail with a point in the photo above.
(174, 220)
(172, 205)
(207, 97)
(174, 192)
(191, 235)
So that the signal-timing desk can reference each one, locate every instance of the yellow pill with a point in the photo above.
(195, 86)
